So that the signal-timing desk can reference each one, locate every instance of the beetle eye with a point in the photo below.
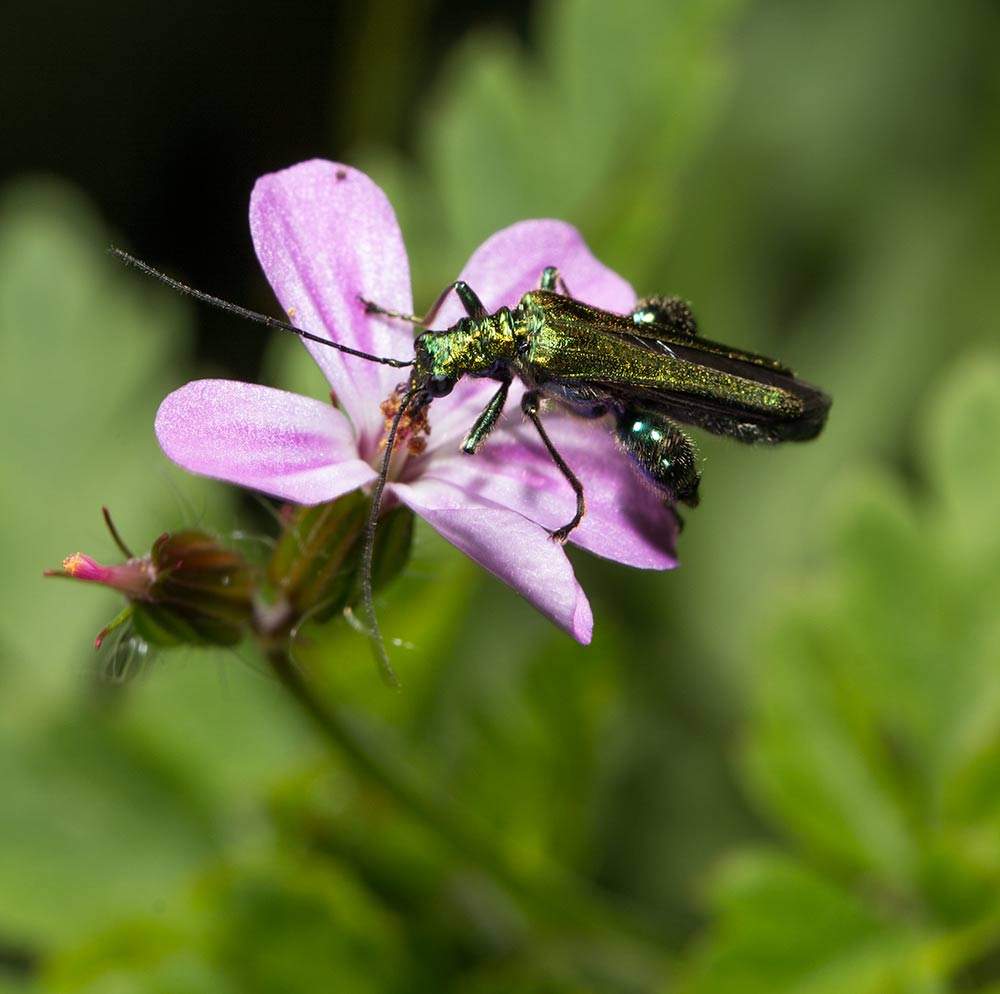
(440, 385)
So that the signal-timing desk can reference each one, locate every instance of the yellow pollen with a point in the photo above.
(291, 312)
(74, 563)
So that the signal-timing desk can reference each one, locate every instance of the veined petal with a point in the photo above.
(325, 234)
(626, 519)
(510, 547)
(285, 445)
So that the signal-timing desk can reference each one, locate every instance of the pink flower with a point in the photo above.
(134, 578)
(325, 234)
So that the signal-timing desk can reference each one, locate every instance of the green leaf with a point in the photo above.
(91, 829)
(136, 957)
(959, 450)
(784, 928)
(876, 722)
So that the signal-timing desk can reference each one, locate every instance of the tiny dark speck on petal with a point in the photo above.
(341, 174)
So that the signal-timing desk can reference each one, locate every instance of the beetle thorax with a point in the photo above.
(469, 348)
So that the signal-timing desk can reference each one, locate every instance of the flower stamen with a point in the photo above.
(413, 427)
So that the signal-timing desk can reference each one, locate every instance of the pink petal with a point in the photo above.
(510, 263)
(626, 519)
(325, 233)
(292, 447)
(510, 547)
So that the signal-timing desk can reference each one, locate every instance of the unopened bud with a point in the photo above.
(189, 589)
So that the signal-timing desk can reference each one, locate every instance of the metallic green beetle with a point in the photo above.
(646, 371)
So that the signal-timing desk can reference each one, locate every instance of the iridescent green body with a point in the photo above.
(553, 342)
(645, 371)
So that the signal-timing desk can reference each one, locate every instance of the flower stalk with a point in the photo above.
(545, 892)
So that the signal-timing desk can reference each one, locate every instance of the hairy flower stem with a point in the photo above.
(547, 894)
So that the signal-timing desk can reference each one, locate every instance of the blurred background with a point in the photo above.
(776, 768)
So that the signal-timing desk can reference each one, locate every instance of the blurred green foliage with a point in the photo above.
(776, 769)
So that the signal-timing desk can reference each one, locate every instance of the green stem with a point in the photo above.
(549, 893)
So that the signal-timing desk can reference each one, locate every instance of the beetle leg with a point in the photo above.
(486, 421)
(530, 406)
(553, 282)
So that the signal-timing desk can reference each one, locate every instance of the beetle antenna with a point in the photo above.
(264, 319)
(385, 667)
